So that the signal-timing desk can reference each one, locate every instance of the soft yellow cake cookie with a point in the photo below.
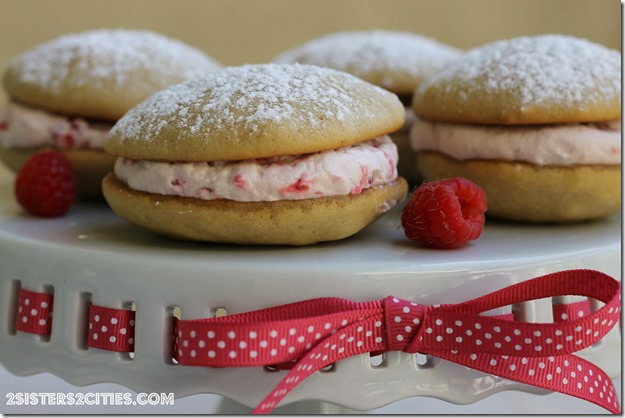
(535, 121)
(67, 93)
(258, 154)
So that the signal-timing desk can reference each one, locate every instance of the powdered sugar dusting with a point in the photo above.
(366, 52)
(543, 69)
(111, 55)
(247, 98)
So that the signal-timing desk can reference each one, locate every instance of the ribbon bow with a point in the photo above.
(310, 335)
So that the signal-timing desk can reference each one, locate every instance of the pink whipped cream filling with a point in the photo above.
(23, 127)
(342, 171)
(566, 144)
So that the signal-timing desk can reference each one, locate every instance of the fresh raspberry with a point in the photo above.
(445, 213)
(45, 185)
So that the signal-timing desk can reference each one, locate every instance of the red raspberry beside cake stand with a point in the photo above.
(93, 257)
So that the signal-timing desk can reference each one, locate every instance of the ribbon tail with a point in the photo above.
(335, 347)
(567, 374)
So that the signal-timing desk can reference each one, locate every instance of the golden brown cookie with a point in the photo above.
(544, 79)
(535, 121)
(284, 222)
(91, 77)
(101, 74)
(396, 61)
(528, 192)
(245, 113)
(272, 154)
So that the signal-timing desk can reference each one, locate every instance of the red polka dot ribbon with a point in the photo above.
(310, 335)
(111, 329)
(34, 312)
(568, 311)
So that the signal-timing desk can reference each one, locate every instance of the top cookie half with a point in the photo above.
(256, 111)
(396, 61)
(530, 80)
(101, 74)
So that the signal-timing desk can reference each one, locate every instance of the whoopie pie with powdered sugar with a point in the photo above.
(535, 121)
(67, 93)
(258, 154)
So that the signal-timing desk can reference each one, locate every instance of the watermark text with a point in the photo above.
(87, 399)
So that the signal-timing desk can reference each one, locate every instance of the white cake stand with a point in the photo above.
(93, 256)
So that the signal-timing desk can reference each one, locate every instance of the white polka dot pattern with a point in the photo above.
(308, 336)
(34, 312)
(111, 329)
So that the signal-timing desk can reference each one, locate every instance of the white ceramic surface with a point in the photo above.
(502, 403)
(93, 252)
